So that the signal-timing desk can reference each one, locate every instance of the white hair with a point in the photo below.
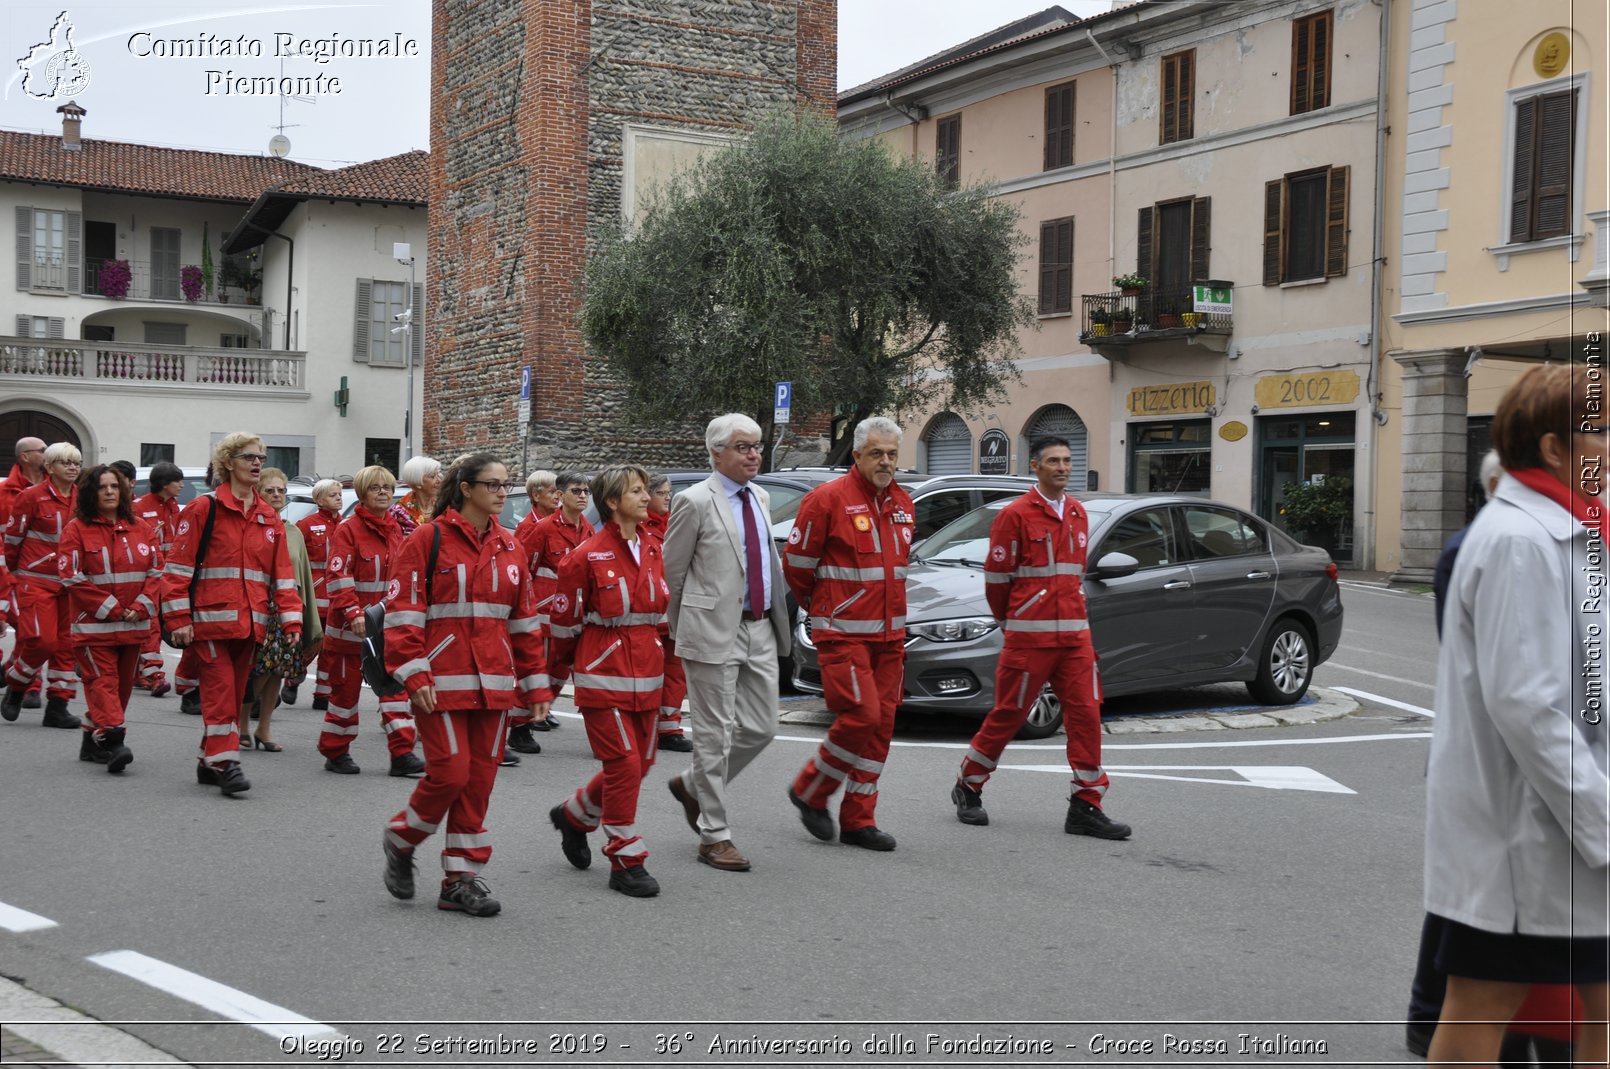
(719, 431)
(878, 424)
(57, 452)
(541, 479)
(324, 486)
(418, 469)
(1491, 469)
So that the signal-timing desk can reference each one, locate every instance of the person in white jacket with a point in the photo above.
(1517, 796)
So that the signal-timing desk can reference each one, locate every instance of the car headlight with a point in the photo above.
(954, 630)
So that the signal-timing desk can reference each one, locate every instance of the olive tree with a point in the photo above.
(792, 255)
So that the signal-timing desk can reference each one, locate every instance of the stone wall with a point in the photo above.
(527, 116)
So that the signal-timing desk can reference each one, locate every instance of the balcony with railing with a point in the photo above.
(41, 363)
(145, 283)
(1130, 317)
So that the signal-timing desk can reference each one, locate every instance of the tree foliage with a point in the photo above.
(794, 256)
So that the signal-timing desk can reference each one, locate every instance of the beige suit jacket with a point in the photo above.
(704, 567)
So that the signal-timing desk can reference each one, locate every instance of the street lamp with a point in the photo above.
(404, 254)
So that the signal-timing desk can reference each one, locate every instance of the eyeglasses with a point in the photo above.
(381, 490)
(493, 486)
(746, 448)
(579, 491)
(71, 463)
(251, 458)
(271, 490)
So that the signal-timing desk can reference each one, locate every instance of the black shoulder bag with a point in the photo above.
(195, 571)
(372, 658)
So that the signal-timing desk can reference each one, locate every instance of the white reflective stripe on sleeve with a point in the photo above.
(261, 618)
(112, 578)
(371, 588)
(997, 577)
(184, 571)
(219, 573)
(473, 682)
(146, 603)
(214, 616)
(535, 682)
(411, 669)
(1047, 625)
(468, 609)
(525, 625)
(561, 631)
(546, 573)
(345, 582)
(282, 584)
(106, 608)
(799, 560)
(854, 575)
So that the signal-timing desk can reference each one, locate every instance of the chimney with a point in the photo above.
(71, 117)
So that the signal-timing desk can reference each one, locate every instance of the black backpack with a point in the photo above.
(372, 658)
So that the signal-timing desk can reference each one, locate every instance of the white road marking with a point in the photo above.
(212, 996)
(13, 919)
(1393, 702)
(1371, 588)
(1269, 777)
(1107, 747)
(1377, 675)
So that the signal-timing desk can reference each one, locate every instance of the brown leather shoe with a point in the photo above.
(690, 804)
(723, 856)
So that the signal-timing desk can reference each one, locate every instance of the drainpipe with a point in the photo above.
(1112, 161)
(1377, 417)
(290, 268)
(914, 117)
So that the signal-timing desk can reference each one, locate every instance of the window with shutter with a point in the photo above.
(1056, 267)
(1177, 114)
(1310, 62)
(1305, 226)
(1173, 242)
(1545, 152)
(948, 150)
(1059, 107)
(360, 325)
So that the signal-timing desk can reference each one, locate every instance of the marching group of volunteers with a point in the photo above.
(483, 625)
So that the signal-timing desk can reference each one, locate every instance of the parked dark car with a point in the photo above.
(939, 499)
(1184, 592)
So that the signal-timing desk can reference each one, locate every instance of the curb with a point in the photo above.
(44, 1031)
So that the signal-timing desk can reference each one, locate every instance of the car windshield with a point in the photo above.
(964, 540)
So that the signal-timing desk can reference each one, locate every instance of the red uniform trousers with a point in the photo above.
(42, 642)
(224, 667)
(862, 683)
(187, 675)
(108, 673)
(321, 679)
(672, 692)
(462, 750)
(151, 670)
(1019, 675)
(627, 744)
(341, 718)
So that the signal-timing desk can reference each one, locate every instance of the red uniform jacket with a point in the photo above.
(317, 529)
(550, 540)
(1034, 574)
(161, 515)
(246, 571)
(847, 558)
(657, 524)
(38, 518)
(14, 484)
(108, 567)
(476, 637)
(605, 622)
(361, 553)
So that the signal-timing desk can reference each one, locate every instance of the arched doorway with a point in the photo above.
(947, 446)
(1063, 422)
(31, 423)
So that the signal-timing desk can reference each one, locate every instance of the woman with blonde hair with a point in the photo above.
(230, 568)
(423, 477)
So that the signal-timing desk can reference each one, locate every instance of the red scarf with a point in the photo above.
(1573, 500)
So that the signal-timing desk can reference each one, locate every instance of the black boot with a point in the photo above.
(230, 778)
(118, 755)
(57, 716)
(11, 704)
(520, 739)
(190, 703)
(89, 749)
(321, 704)
(1087, 819)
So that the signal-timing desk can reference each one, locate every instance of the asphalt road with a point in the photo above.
(1273, 879)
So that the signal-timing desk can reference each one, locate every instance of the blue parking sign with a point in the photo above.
(783, 402)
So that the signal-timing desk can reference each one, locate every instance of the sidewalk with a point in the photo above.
(41, 1031)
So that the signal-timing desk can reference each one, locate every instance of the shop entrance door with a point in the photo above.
(1317, 447)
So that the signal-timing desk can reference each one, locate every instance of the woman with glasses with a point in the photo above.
(605, 622)
(361, 553)
(464, 639)
(111, 572)
(281, 658)
(230, 569)
(423, 477)
(38, 519)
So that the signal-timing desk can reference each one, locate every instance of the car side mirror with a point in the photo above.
(1115, 566)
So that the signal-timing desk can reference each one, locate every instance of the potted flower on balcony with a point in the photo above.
(1168, 315)
(1100, 323)
(115, 279)
(191, 282)
(1130, 285)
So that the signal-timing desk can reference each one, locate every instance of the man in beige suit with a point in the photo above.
(728, 621)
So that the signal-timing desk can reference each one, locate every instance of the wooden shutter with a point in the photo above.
(1056, 266)
(1059, 108)
(56, 327)
(25, 248)
(1177, 114)
(25, 326)
(360, 325)
(948, 150)
(1201, 235)
(1310, 63)
(74, 252)
(1143, 243)
(1336, 194)
(1520, 207)
(1064, 280)
(416, 327)
(1556, 143)
(1273, 231)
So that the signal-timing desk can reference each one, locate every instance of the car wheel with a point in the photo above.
(1045, 717)
(1286, 664)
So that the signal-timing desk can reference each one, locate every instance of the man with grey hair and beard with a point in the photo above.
(728, 622)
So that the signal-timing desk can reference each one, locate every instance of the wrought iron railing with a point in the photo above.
(1134, 314)
(269, 370)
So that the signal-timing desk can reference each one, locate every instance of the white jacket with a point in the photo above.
(1517, 798)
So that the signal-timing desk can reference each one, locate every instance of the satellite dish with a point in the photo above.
(280, 145)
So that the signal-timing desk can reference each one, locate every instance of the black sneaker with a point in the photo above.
(544, 725)
(288, 695)
(57, 716)
(321, 704)
(11, 704)
(190, 703)
(868, 838)
(230, 778)
(406, 765)
(969, 805)
(819, 822)
(32, 700)
(572, 842)
(344, 765)
(1087, 819)
(399, 870)
(634, 882)
(470, 896)
(520, 739)
(677, 743)
(509, 759)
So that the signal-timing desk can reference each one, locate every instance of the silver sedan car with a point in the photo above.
(1183, 592)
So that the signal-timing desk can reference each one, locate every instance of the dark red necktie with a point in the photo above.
(752, 564)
